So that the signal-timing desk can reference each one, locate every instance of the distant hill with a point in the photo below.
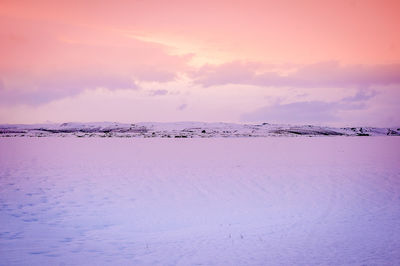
(185, 130)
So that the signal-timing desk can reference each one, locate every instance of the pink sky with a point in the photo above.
(316, 62)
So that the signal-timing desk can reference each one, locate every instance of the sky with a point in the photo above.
(301, 62)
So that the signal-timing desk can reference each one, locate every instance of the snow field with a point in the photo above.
(251, 201)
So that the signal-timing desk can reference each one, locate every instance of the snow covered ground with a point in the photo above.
(185, 130)
(211, 201)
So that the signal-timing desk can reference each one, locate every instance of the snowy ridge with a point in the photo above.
(185, 130)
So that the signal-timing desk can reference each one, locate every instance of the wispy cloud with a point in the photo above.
(324, 75)
(361, 95)
(39, 90)
(158, 92)
(298, 112)
(42, 63)
(310, 111)
(182, 107)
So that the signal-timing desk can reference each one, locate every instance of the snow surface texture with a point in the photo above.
(215, 201)
(185, 130)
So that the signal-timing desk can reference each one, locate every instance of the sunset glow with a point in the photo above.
(199, 132)
(328, 62)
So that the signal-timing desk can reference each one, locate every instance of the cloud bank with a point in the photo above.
(329, 74)
(40, 65)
